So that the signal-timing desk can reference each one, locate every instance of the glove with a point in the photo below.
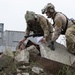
(52, 45)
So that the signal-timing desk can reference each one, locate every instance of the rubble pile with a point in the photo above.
(20, 64)
(28, 62)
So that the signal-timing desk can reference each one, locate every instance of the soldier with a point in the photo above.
(38, 24)
(62, 25)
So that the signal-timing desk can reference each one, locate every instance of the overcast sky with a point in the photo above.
(12, 11)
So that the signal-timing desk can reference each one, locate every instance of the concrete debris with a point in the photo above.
(52, 66)
(22, 56)
(37, 69)
(60, 54)
(29, 62)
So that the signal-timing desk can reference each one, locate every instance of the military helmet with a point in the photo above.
(48, 8)
(30, 15)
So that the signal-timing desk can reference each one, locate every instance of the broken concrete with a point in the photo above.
(60, 54)
(50, 65)
(28, 62)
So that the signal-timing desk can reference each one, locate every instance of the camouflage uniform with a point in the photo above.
(70, 39)
(42, 25)
(61, 22)
(59, 25)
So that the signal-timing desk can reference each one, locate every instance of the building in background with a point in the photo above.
(1, 33)
(12, 38)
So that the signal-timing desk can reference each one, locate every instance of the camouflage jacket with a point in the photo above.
(42, 25)
(60, 21)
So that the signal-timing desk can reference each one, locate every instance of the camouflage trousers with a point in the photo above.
(70, 39)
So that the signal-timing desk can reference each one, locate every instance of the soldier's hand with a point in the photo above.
(52, 46)
(22, 41)
(43, 40)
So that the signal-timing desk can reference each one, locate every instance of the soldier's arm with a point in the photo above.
(57, 29)
(27, 32)
(44, 26)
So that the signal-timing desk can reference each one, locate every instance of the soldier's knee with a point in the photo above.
(70, 46)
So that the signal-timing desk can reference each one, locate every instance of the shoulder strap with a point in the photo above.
(54, 18)
(63, 30)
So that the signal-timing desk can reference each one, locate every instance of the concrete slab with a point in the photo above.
(60, 54)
